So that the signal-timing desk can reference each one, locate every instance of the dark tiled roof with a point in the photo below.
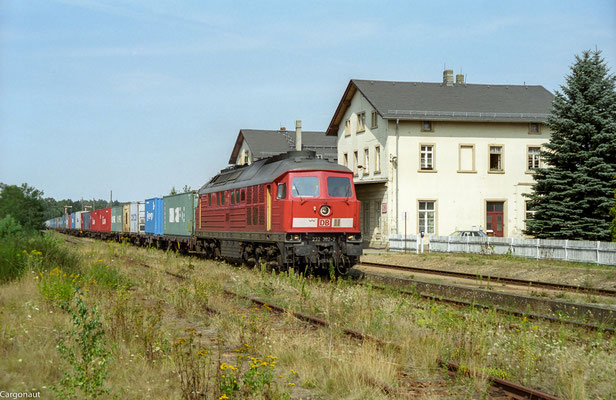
(458, 102)
(267, 143)
(268, 169)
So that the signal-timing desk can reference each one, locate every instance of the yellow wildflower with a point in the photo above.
(223, 397)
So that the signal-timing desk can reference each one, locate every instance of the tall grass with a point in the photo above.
(41, 253)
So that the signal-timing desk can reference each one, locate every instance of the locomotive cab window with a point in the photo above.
(282, 191)
(339, 186)
(305, 186)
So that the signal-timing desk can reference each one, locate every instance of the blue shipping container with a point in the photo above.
(73, 218)
(86, 220)
(154, 216)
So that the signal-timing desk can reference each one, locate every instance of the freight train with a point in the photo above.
(291, 210)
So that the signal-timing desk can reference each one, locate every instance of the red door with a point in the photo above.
(495, 218)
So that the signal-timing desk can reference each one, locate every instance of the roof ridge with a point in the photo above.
(441, 83)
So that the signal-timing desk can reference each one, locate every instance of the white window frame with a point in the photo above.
(501, 170)
(345, 159)
(427, 215)
(355, 162)
(427, 157)
(347, 127)
(533, 158)
(366, 161)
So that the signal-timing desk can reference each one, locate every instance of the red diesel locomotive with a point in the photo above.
(291, 210)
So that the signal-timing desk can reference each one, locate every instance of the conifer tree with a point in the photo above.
(574, 191)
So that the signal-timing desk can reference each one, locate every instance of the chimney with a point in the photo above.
(460, 79)
(298, 135)
(448, 77)
(282, 128)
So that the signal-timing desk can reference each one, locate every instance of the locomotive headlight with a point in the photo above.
(294, 237)
(354, 237)
(325, 211)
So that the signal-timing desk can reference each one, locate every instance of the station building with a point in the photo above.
(254, 144)
(436, 157)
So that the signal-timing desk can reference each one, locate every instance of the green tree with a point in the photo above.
(573, 194)
(613, 214)
(24, 203)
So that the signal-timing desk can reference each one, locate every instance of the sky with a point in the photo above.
(136, 97)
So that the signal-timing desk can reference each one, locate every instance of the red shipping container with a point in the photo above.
(94, 222)
(104, 216)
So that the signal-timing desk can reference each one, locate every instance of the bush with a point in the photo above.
(21, 252)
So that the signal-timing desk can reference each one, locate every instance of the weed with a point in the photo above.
(191, 365)
(107, 276)
(57, 286)
(84, 348)
(148, 323)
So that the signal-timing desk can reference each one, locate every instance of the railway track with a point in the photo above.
(408, 387)
(495, 279)
(528, 315)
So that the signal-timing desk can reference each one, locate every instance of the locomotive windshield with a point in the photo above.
(339, 186)
(305, 186)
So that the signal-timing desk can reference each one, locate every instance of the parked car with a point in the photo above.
(469, 233)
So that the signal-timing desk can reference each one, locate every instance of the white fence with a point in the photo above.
(567, 250)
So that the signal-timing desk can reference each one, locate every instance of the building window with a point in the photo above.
(496, 158)
(345, 159)
(347, 127)
(377, 159)
(528, 212)
(367, 220)
(534, 128)
(533, 158)
(426, 126)
(427, 157)
(245, 158)
(374, 123)
(377, 215)
(361, 121)
(366, 161)
(426, 217)
(355, 162)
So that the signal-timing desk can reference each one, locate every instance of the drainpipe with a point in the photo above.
(396, 167)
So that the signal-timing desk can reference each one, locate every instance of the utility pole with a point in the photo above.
(66, 209)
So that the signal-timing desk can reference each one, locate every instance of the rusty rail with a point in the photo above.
(495, 279)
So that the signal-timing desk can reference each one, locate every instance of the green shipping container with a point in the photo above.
(179, 214)
(116, 219)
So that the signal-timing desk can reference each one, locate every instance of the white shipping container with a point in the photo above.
(78, 220)
(137, 217)
(142, 218)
